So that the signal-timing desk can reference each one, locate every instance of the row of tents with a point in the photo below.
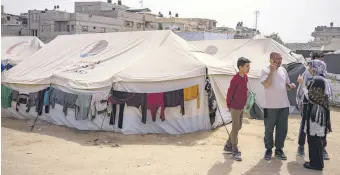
(141, 62)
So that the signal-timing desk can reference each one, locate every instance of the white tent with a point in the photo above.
(17, 48)
(141, 62)
(256, 50)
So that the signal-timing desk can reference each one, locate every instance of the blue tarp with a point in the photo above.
(197, 36)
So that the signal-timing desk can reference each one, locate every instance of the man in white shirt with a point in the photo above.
(276, 106)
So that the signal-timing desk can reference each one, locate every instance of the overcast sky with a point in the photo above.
(294, 20)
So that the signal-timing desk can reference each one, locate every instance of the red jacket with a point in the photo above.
(237, 92)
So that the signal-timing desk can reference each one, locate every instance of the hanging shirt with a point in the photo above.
(15, 95)
(154, 101)
(2, 67)
(83, 103)
(139, 100)
(99, 103)
(32, 100)
(57, 96)
(174, 98)
(6, 99)
(192, 93)
(69, 102)
(47, 97)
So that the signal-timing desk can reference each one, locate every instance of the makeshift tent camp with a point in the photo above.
(197, 36)
(15, 49)
(138, 62)
(257, 50)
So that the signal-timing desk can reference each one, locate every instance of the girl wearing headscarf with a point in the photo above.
(316, 68)
(316, 114)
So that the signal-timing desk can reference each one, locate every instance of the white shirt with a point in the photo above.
(275, 96)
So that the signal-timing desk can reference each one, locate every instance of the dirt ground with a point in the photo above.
(50, 150)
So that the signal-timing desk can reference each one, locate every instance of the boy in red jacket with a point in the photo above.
(236, 100)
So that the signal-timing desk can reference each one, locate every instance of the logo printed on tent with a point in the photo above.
(17, 48)
(94, 48)
(211, 50)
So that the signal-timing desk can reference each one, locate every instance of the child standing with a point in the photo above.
(236, 101)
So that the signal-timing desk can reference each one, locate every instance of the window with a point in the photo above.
(128, 24)
(8, 18)
(59, 26)
(34, 32)
(102, 30)
(94, 27)
(46, 28)
(72, 27)
(84, 28)
(68, 28)
(139, 25)
(35, 17)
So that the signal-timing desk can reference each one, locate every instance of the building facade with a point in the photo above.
(89, 17)
(13, 25)
(243, 32)
(324, 35)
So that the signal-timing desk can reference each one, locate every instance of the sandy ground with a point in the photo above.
(58, 150)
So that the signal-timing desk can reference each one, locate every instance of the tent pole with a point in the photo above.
(218, 108)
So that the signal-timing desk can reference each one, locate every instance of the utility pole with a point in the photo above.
(257, 13)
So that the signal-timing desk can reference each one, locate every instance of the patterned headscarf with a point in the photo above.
(319, 67)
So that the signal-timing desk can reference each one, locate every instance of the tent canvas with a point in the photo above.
(15, 49)
(256, 50)
(141, 62)
(197, 36)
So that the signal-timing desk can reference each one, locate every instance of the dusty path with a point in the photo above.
(58, 150)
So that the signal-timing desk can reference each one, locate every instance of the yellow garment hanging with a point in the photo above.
(192, 93)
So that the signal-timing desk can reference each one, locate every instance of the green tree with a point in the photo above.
(276, 37)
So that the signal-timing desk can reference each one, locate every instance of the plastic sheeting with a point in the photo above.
(197, 36)
(15, 49)
(193, 120)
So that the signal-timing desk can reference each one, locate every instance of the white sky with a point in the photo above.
(294, 20)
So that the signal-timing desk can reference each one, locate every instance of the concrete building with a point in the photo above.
(186, 24)
(89, 17)
(132, 18)
(177, 24)
(324, 35)
(243, 32)
(13, 25)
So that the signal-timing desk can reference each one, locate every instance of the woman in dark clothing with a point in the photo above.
(316, 118)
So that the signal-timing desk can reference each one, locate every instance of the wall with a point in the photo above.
(10, 30)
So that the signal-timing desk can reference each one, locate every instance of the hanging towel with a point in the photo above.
(139, 100)
(192, 93)
(154, 101)
(174, 99)
(6, 99)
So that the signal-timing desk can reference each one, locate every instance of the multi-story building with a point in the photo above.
(177, 24)
(324, 35)
(89, 17)
(245, 32)
(186, 24)
(13, 25)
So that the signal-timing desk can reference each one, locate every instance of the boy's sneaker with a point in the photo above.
(301, 151)
(280, 154)
(268, 154)
(325, 155)
(227, 149)
(237, 155)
